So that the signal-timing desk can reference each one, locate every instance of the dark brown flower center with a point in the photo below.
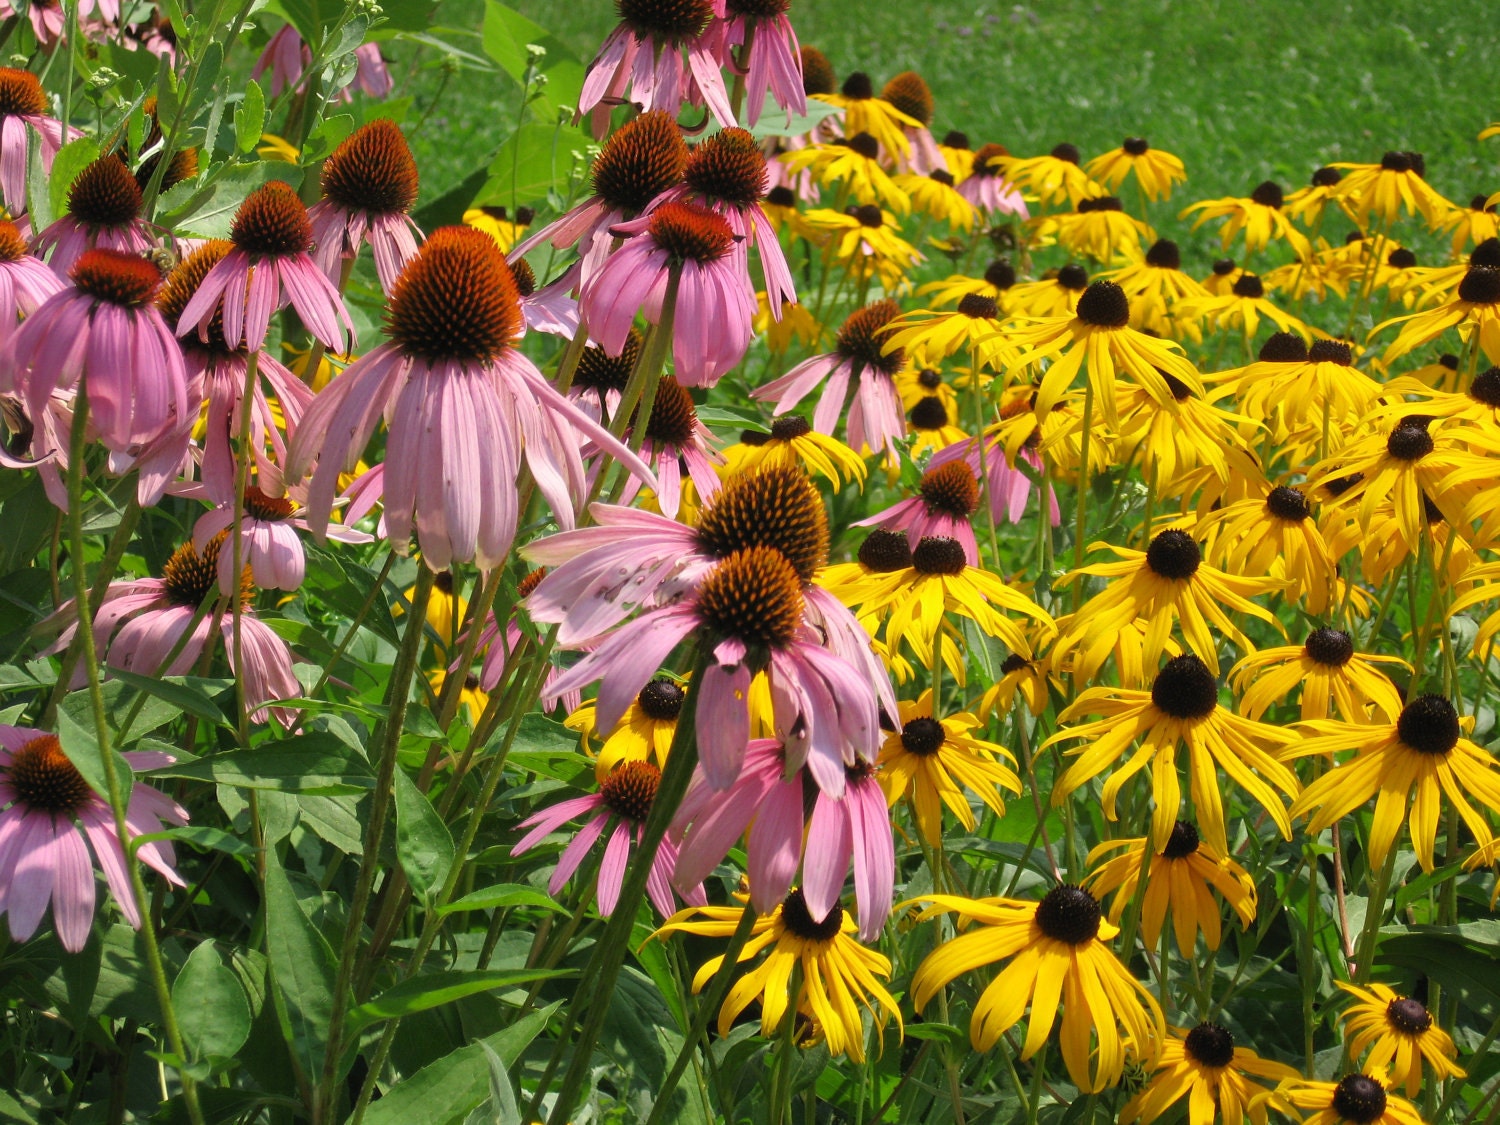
(978, 307)
(272, 222)
(1183, 841)
(954, 138)
(1408, 442)
(1100, 203)
(1268, 194)
(868, 215)
(910, 94)
(456, 299)
(1332, 648)
(105, 194)
(1396, 162)
(950, 490)
(1331, 351)
(674, 419)
(1487, 253)
(1164, 255)
(1104, 305)
(885, 551)
(1135, 146)
(930, 378)
(183, 282)
(1066, 152)
(524, 275)
(21, 94)
(863, 335)
(1015, 662)
(780, 196)
(1248, 285)
(1209, 1045)
(754, 595)
(779, 508)
(1069, 914)
(599, 371)
(1359, 1098)
(1408, 1016)
(817, 72)
(1286, 503)
(629, 791)
(189, 577)
(799, 920)
(942, 176)
(1284, 347)
(1185, 688)
(12, 245)
(661, 700)
(790, 428)
(529, 582)
(1486, 387)
(372, 170)
(1429, 725)
(1480, 286)
(988, 159)
(1000, 274)
(1401, 258)
(864, 144)
(638, 163)
(1223, 267)
(728, 166)
(1340, 485)
(689, 233)
(1073, 276)
(270, 509)
(45, 779)
(858, 86)
(116, 277)
(757, 9)
(929, 413)
(668, 21)
(1326, 177)
(938, 554)
(922, 736)
(1174, 555)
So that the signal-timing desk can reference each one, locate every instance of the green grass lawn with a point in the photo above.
(1240, 90)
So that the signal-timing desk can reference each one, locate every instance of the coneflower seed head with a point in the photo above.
(755, 596)
(45, 779)
(272, 221)
(183, 282)
(909, 93)
(21, 94)
(817, 72)
(728, 166)
(105, 194)
(950, 489)
(456, 299)
(690, 233)
(630, 790)
(670, 22)
(372, 170)
(116, 277)
(779, 508)
(674, 419)
(862, 336)
(638, 163)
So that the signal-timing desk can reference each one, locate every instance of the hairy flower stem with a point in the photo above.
(119, 798)
(598, 980)
(329, 1087)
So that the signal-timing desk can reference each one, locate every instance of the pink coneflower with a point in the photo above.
(369, 185)
(104, 208)
(639, 162)
(715, 303)
(775, 62)
(105, 325)
(601, 378)
(220, 370)
(909, 93)
(461, 404)
(727, 173)
(287, 57)
(140, 622)
(748, 612)
(25, 281)
(875, 419)
(947, 498)
(987, 188)
(23, 103)
(768, 803)
(551, 309)
(268, 267)
(676, 440)
(1009, 487)
(625, 797)
(50, 813)
(371, 76)
(269, 544)
(641, 61)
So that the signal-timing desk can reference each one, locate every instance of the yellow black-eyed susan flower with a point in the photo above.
(1099, 228)
(1475, 308)
(644, 731)
(1328, 670)
(1156, 170)
(1242, 307)
(855, 164)
(1259, 216)
(1308, 204)
(1274, 536)
(1053, 178)
(1204, 1065)
(1155, 284)
(1385, 191)
(1055, 293)
(866, 241)
(1402, 1034)
(1355, 1099)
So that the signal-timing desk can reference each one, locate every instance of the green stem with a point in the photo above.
(119, 799)
(1374, 911)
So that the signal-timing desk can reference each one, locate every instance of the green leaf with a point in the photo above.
(208, 211)
(424, 845)
(302, 970)
(537, 159)
(76, 733)
(938, 1032)
(436, 989)
(316, 763)
(506, 34)
(772, 122)
(446, 1091)
(183, 692)
(28, 517)
(39, 198)
(250, 118)
(211, 1006)
(502, 895)
(71, 159)
(200, 836)
(502, 1097)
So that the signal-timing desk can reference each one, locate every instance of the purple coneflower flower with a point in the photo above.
(288, 56)
(625, 796)
(268, 267)
(461, 404)
(644, 158)
(909, 93)
(23, 103)
(269, 544)
(1009, 487)
(947, 497)
(600, 378)
(715, 303)
(769, 803)
(220, 371)
(641, 61)
(103, 324)
(775, 62)
(727, 173)
(987, 188)
(25, 281)
(140, 621)
(551, 309)
(50, 813)
(875, 418)
(369, 185)
(676, 440)
(104, 208)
